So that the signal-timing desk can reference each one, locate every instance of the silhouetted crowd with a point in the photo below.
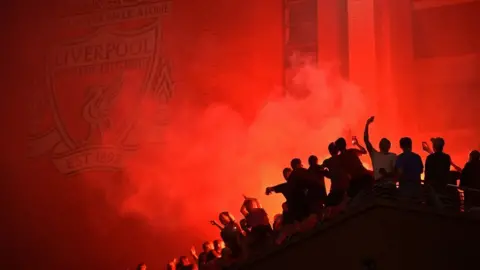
(307, 203)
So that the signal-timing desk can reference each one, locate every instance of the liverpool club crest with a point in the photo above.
(96, 86)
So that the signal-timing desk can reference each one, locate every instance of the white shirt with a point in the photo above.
(382, 160)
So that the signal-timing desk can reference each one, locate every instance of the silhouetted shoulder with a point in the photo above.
(399, 160)
(354, 151)
(327, 162)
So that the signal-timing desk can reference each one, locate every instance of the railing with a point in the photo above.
(462, 195)
(450, 199)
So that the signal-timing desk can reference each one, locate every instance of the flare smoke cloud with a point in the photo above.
(210, 156)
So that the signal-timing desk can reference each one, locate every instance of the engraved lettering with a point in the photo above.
(104, 52)
(105, 157)
(111, 54)
(89, 55)
(78, 161)
(109, 15)
(100, 53)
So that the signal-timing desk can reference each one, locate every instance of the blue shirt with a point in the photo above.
(410, 166)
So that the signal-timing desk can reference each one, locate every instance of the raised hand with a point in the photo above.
(173, 262)
(371, 119)
(247, 198)
(426, 147)
(354, 140)
(193, 251)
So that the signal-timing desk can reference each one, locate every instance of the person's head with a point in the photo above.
(141, 266)
(183, 261)
(438, 144)
(332, 149)
(341, 144)
(285, 207)
(296, 163)
(218, 245)
(226, 253)
(207, 246)
(406, 144)
(384, 145)
(474, 156)
(312, 160)
(225, 218)
(251, 204)
(287, 172)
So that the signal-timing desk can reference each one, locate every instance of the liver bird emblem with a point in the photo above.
(98, 110)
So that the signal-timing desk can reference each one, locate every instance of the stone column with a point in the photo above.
(300, 30)
(332, 27)
(395, 61)
(381, 56)
(361, 41)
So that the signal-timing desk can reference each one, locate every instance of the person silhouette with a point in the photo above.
(409, 167)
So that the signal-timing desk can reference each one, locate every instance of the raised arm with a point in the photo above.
(255, 201)
(361, 149)
(215, 223)
(193, 252)
(243, 210)
(276, 189)
(456, 167)
(426, 148)
(366, 135)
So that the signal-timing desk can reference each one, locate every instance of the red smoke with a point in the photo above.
(230, 132)
(210, 156)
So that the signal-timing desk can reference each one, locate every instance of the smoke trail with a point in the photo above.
(210, 156)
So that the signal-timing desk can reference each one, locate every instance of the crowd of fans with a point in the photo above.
(307, 203)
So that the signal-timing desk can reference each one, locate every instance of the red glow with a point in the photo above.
(215, 151)
(229, 133)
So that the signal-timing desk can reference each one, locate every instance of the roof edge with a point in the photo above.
(352, 213)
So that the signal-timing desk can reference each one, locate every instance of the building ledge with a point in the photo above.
(352, 213)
